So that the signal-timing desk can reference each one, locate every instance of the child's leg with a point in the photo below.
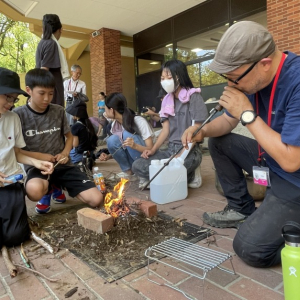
(134, 154)
(36, 188)
(114, 146)
(78, 185)
(13, 216)
(92, 197)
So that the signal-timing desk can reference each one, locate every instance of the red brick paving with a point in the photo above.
(249, 283)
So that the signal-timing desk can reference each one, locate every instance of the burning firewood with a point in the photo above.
(114, 203)
(12, 269)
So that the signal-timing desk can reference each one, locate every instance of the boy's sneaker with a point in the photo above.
(43, 206)
(197, 182)
(58, 195)
(143, 182)
(225, 218)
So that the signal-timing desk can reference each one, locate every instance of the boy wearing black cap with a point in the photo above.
(47, 135)
(249, 59)
(13, 216)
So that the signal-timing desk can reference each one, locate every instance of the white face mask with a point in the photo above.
(168, 85)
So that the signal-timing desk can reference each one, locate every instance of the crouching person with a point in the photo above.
(13, 215)
(48, 137)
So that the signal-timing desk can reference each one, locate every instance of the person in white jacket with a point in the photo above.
(72, 87)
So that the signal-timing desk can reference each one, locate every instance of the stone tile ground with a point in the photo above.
(248, 283)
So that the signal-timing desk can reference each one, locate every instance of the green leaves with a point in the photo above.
(17, 45)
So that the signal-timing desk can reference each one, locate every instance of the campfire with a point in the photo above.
(114, 203)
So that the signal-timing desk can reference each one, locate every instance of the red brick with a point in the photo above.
(94, 220)
(252, 290)
(105, 55)
(147, 207)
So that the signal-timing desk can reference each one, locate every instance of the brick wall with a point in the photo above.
(283, 18)
(105, 54)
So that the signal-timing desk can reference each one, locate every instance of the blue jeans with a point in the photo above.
(124, 156)
(75, 157)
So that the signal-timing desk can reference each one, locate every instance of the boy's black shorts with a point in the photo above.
(69, 177)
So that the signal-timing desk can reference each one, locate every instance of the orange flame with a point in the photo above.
(114, 206)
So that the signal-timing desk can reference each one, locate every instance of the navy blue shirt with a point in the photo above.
(285, 118)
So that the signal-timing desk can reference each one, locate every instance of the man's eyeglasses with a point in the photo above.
(11, 99)
(241, 76)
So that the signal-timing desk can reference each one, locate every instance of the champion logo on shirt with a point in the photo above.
(33, 132)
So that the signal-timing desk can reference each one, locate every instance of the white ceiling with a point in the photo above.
(127, 16)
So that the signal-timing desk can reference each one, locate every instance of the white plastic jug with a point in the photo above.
(171, 183)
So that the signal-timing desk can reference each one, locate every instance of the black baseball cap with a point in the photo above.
(10, 83)
(78, 110)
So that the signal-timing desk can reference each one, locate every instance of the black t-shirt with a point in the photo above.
(80, 130)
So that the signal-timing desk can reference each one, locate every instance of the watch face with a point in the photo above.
(248, 116)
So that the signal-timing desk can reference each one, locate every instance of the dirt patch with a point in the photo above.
(118, 252)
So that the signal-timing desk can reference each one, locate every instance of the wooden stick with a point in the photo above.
(42, 242)
(37, 273)
(9, 265)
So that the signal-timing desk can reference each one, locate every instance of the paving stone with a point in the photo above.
(48, 264)
(116, 290)
(138, 273)
(252, 290)
(168, 273)
(155, 292)
(220, 277)
(2, 289)
(78, 267)
(194, 287)
(264, 276)
(5, 298)
(95, 220)
(27, 287)
(67, 281)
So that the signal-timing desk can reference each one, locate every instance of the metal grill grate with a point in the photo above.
(190, 256)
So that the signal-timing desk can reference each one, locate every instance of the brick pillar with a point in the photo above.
(283, 18)
(105, 53)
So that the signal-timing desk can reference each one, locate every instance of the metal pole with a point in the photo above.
(211, 114)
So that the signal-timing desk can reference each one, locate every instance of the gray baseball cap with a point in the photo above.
(243, 43)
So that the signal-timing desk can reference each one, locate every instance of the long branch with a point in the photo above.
(9, 265)
(37, 273)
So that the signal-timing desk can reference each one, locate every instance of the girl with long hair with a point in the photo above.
(50, 56)
(131, 134)
(181, 107)
(84, 136)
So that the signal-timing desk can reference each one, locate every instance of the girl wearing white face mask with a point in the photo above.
(182, 105)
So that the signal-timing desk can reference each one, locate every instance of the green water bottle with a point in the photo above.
(290, 258)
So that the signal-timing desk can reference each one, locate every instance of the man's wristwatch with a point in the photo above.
(248, 117)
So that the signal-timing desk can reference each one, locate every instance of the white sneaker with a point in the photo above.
(143, 182)
(197, 182)
(123, 175)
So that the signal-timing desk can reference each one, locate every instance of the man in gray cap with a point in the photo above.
(263, 93)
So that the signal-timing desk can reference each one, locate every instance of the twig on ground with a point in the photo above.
(42, 242)
(37, 273)
(9, 265)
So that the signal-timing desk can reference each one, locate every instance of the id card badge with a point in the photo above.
(261, 176)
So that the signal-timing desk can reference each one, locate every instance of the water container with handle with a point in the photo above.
(290, 257)
(171, 184)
